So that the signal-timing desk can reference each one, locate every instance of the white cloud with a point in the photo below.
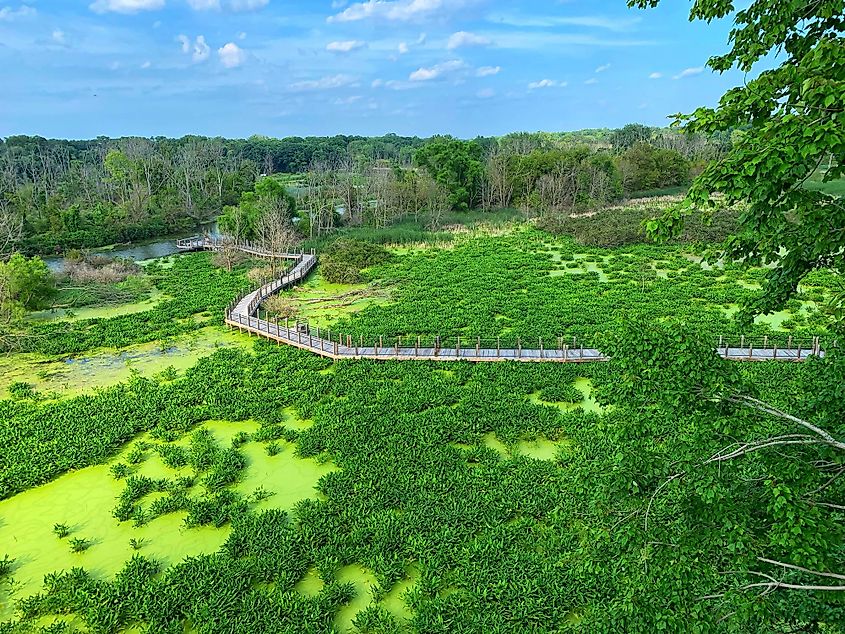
(242, 35)
(427, 74)
(347, 101)
(403, 48)
(689, 72)
(23, 11)
(324, 83)
(377, 83)
(486, 71)
(204, 5)
(393, 10)
(464, 38)
(546, 83)
(146, 64)
(602, 68)
(592, 21)
(591, 80)
(231, 55)
(346, 46)
(58, 36)
(199, 49)
(486, 93)
(125, 6)
(247, 5)
(655, 76)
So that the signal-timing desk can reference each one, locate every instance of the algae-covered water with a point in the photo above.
(98, 312)
(322, 303)
(75, 375)
(84, 501)
(542, 448)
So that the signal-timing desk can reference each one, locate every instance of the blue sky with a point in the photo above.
(78, 69)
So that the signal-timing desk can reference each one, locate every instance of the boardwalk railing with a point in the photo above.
(208, 243)
(336, 345)
(244, 313)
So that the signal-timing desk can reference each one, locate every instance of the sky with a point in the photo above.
(234, 68)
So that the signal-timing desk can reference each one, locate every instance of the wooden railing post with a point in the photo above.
(498, 346)
(478, 346)
(565, 352)
(518, 347)
(417, 348)
(541, 347)
(458, 347)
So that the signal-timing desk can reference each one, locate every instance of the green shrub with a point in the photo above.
(22, 390)
(345, 259)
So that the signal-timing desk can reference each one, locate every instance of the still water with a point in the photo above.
(138, 251)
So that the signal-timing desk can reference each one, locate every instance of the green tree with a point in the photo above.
(646, 167)
(793, 118)
(455, 164)
(268, 196)
(25, 283)
(630, 135)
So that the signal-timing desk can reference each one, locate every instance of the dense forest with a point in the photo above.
(57, 195)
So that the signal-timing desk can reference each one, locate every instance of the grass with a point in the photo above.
(410, 230)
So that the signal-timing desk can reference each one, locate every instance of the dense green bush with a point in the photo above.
(344, 260)
(621, 226)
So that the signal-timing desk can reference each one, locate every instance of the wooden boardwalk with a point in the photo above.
(243, 314)
(207, 243)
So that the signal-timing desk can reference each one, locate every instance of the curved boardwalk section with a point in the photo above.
(243, 313)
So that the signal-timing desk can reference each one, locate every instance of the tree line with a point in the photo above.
(57, 195)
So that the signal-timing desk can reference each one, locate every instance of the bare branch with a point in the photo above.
(746, 448)
(775, 585)
(656, 491)
(794, 567)
(761, 406)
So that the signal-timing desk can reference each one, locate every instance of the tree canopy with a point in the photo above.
(269, 196)
(456, 165)
(793, 117)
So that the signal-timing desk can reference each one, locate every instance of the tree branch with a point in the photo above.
(799, 568)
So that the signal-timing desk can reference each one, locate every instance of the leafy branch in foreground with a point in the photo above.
(790, 123)
(665, 368)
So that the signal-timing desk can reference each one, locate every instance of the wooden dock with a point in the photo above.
(244, 314)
